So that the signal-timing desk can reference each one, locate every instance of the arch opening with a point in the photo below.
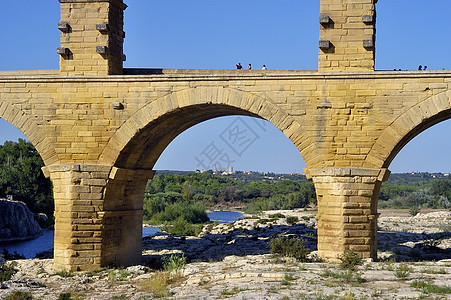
(241, 142)
(419, 183)
(22, 179)
(9, 132)
(419, 129)
(146, 147)
(125, 193)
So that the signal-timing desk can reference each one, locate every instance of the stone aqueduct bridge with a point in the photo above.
(100, 128)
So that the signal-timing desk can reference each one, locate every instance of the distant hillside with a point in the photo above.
(246, 176)
(415, 178)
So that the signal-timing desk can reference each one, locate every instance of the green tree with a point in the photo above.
(21, 176)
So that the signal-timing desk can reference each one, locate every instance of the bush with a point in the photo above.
(289, 246)
(7, 270)
(65, 296)
(174, 262)
(19, 295)
(277, 216)
(414, 210)
(403, 271)
(292, 220)
(167, 211)
(350, 260)
(180, 227)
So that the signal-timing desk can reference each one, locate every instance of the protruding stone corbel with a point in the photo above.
(324, 19)
(368, 44)
(64, 27)
(103, 27)
(325, 44)
(368, 19)
(102, 50)
(118, 106)
(63, 51)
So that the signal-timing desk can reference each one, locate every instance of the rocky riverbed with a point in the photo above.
(233, 261)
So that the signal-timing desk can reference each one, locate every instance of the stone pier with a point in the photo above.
(98, 215)
(347, 210)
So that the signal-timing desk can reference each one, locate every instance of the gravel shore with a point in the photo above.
(232, 261)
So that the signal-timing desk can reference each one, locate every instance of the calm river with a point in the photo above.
(45, 242)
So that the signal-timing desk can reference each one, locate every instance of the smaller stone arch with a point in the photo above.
(182, 109)
(417, 119)
(31, 130)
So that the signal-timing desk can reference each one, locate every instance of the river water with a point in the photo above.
(45, 241)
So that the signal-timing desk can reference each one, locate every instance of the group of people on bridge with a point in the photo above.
(249, 67)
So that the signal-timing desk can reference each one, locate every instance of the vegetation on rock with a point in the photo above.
(350, 260)
(289, 247)
(7, 270)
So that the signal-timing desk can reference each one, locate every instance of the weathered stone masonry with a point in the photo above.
(100, 132)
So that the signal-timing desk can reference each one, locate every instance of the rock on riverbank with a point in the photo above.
(17, 222)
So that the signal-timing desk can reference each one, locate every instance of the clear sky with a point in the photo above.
(216, 34)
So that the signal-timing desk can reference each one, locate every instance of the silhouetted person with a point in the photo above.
(238, 66)
(249, 67)
(420, 67)
(425, 67)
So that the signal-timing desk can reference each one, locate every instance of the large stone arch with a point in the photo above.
(126, 165)
(415, 120)
(25, 124)
(143, 137)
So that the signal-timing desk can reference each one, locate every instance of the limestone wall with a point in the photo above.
(335, 120)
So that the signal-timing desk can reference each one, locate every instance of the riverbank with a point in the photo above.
(233, 261)
(43, 245)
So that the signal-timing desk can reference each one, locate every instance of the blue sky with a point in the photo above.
(214, 34)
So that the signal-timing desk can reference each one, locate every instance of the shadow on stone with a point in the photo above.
(214, 247)
(405, 246)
